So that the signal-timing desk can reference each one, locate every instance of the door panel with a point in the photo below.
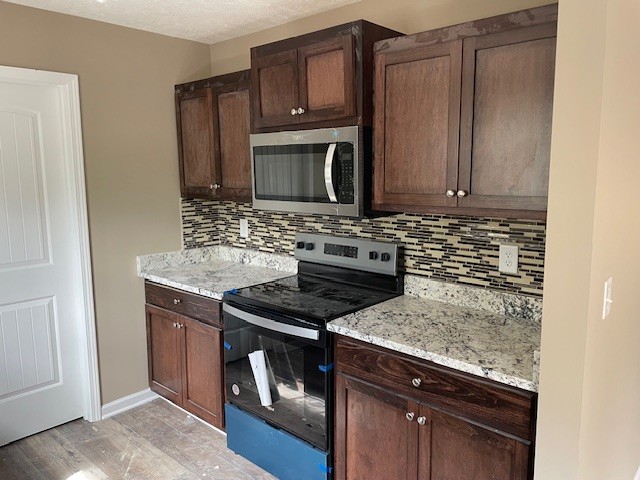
(275, 89)
(29, 350)
(453, 449)
(506, 117)
(374, 438)
(164, 352)
(202, 371)
(327, 79)
(416, 126)
(24, 237)
(196, 142)
(40, 267)
(235, 153)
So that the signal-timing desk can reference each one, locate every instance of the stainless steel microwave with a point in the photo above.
(311, 171)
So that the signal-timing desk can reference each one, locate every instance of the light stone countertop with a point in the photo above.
(482, 343)
(432, 321)
(211, 271)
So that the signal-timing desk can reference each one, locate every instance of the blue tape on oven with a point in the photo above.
(325, 368)
(325, 468)
(233, 290)
(227, 346)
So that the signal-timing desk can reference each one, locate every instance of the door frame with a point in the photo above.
(67, 86)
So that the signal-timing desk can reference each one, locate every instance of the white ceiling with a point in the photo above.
(206, 21)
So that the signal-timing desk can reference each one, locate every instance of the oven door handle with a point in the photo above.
(328, 167)
(271, 324)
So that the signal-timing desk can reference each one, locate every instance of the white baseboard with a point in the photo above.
(126, 403)
(206, 424)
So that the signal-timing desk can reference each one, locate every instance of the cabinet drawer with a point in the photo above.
(206, 310)
(504, 408)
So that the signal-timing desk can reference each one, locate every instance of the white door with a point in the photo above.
(41, 276)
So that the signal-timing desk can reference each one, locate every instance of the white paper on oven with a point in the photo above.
(260, 375)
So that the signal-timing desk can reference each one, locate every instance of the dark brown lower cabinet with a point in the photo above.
(186, 361)
(440, 430)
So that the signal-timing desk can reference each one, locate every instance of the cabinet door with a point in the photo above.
(202, 371)
(505, 138)
(196, 143)
(274, 89)
(373, 438)
(327, 80)
(233, 120)
(451, 448)
(416, 125)
(164, 353)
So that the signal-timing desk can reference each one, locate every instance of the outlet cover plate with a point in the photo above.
(508, 261)
(244, 228)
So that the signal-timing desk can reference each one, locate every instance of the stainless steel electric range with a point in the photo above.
(278, 353)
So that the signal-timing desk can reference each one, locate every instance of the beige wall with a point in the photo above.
(407, 16)
(610, 434)
(589, 413)
(126, 94)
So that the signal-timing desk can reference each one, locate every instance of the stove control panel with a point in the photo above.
(356, 253)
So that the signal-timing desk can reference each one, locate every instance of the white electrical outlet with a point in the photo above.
(244, 228)
(508, 262)
(606, 304)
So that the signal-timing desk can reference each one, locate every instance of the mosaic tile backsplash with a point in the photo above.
(442, 247)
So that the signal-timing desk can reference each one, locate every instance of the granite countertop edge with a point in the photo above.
(436, 358)
(182, 286)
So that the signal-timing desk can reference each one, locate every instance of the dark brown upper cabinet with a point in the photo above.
(213, 122)
(322, 79)
(463, 117)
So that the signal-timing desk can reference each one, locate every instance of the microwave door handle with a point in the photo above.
(328, 177)
(271, 324)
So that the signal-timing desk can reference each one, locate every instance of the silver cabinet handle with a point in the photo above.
(416, 382)
(451, 193)
(328, 178)
(409, 416)
(176, 301)
(300, 111)
(294, 111)
(216, 186)
(175, 325)
(181, 325)
(422, 420)
(462, 193)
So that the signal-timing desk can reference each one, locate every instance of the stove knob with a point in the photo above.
(373, 255)
(308, 246)
(385, 257)
(300, 245)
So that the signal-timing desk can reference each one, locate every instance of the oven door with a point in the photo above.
(278, 368)
(316, 171)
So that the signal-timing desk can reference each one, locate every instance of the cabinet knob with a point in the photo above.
(462, 193)
(409, 416)
(294, 111)
(180, 325)
(451, 193)
(416, 382)
(175, 325)
(300, 111)
(216, 186)
(422, 420)
(176, 301)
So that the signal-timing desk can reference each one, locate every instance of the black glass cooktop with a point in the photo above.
(311, 296)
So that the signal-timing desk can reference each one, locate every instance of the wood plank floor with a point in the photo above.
(156, 441)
